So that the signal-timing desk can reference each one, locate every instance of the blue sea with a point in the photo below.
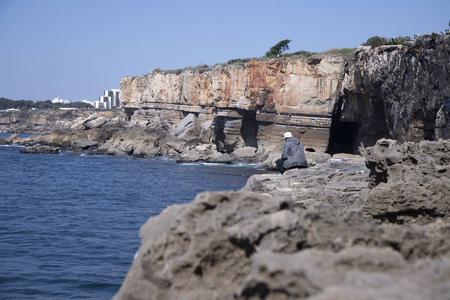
(69, 225)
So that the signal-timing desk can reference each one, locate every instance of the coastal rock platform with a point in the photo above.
(40, 149)
(350, 228)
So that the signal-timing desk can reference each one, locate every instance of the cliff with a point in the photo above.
(250, 104)
(400, 92)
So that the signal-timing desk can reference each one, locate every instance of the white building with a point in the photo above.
(88, 102)
(110, 99)
(59, 100)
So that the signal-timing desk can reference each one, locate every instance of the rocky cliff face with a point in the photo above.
(399, 92)
(250, 105)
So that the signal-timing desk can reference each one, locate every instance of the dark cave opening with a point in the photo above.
(343, 135)
(129, 112)
(249, 129)
(219, 125)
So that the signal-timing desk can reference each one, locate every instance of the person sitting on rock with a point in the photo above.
(293, 155)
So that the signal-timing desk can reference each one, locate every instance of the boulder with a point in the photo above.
(175, 143)
(190, 140)
(78, 124)
(220, 158)
(206, 132)
(85, 144)
(95, 123)
(188, 126)
(14, 138)
(190, 156)
(245, 152)
(34, 139)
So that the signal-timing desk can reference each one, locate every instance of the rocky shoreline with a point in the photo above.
(369, 226)
(351, 228)
(99, 135)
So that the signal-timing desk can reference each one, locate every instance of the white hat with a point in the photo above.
(287, 135)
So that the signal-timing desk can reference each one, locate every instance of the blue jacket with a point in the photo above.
(293, 154)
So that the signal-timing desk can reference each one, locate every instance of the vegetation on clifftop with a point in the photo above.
(377, 41)
(278, 51)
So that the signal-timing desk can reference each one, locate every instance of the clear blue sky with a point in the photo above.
(75, 49)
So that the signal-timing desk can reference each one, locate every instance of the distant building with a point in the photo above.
(59, 100)
(110, 99)
(89, 102)
(10, 110)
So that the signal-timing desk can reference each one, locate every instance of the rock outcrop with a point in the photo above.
(46, 120)
(250, 104)
(316, 233)
(40, 149)
(399, 92)
(409, 181)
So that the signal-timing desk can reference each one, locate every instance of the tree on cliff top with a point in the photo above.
(278, 49)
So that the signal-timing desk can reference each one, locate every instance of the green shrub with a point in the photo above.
(67, 115)
(347, 53)
(238, 61)
(377, 41)
(301, 53)
(23, 115)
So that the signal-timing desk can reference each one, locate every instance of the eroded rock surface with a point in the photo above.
(410, 182)
(312, 233)
(400, 92)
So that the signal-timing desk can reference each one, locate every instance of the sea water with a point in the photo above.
(69, 224)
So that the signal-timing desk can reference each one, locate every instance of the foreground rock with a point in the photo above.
(314, 233)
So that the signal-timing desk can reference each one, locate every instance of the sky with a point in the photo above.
(76, 49)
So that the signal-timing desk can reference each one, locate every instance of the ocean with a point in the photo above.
(69, 224)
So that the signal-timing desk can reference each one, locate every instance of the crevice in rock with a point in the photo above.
(260, 290)
(198, 271)
(244, 244)
(400, 217)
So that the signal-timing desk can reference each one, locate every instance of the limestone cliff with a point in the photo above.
(399, 92)
(251, 104)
